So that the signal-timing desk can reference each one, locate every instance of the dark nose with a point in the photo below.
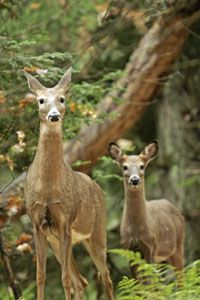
(134, 180)
(54, 117)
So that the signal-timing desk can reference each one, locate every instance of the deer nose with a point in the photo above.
(54, 116)
(134, 180)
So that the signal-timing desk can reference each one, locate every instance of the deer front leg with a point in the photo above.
(41, 248)
(65, 253)
(146, 254)
(97, 253)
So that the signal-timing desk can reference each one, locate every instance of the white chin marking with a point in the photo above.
(134, 186)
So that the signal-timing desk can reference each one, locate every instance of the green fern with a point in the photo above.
(162, 284)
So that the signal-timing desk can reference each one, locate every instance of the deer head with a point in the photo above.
(133, 166)
(51, 101)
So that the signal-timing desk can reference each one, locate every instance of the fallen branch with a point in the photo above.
(9, 273)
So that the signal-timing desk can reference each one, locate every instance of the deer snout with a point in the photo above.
(53, 116)
(134, 180)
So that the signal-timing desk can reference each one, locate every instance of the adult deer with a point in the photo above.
(154, 228)
(65, 207)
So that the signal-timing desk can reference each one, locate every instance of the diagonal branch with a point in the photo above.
(144, 74)
(9, 272)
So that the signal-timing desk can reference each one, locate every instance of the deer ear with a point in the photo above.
(150, 151)
(115, 151)
(64, 82)
(34, 85)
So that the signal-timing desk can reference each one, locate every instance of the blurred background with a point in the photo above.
(135, 79)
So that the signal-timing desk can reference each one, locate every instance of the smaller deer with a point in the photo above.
(154, 228)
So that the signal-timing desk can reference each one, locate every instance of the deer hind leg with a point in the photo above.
(62, 227)
(65, 253)
(98, 255)
(177, 261)
(79, 283)
(41, 249)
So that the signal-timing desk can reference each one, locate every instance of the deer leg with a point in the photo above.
(145, 252)
(41, 248)
(79, 283)
(65, 253)
(134, 270)
(177, 261)
(98, 255)
(134, 266)
(62, 227)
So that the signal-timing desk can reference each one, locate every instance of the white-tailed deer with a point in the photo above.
(65, 207)
(154, 228)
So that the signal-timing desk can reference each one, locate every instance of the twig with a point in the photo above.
(9, 273)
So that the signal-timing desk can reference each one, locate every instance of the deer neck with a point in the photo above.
(135, 205)
(49, 155)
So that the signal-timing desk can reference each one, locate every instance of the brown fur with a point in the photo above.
(65, 207)
(156, 227)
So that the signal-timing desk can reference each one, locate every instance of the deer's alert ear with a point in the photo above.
(115, 151)
(64, 82)
(150, 151)
(34, 85)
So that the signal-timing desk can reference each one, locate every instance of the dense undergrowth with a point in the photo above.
(162, 281)
(157, 282)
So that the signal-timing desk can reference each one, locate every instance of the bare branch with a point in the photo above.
(9, 273)
(143, 75)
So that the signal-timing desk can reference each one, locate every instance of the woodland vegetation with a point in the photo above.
(135, 79)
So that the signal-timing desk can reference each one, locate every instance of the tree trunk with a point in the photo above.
(144, 74)
(178, 132)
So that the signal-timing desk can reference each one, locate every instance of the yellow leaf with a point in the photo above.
(31, 69)
(10, 162)
(72, 106)
(2, 98)
(35, 5)
(2, 158)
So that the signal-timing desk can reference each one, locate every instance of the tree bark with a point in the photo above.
(144, 74)
(178, 177)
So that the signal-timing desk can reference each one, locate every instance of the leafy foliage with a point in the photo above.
(161, 281)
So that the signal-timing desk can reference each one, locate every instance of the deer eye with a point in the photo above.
(41, 100)
(141, 167)
(62, 99)
(125, 167)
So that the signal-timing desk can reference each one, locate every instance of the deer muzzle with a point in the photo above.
(134, 180)
(54, 116)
